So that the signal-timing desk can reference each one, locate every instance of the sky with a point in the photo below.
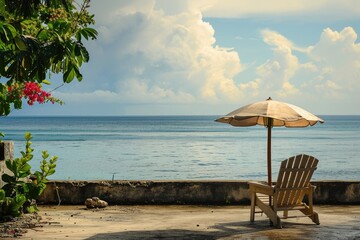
(209, 57)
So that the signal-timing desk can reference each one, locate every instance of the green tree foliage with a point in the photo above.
(40, 37)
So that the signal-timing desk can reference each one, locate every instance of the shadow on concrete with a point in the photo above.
(227, 230)
(242, 230)
(260, 229)
(159, 234)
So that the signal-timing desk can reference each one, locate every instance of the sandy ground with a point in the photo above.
(189, 222)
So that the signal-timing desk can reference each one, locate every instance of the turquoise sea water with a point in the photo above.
(183, 147)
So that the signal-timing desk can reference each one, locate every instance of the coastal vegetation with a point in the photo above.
(23, 186)
(38, 39)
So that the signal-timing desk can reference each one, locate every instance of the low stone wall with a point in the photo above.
(183, 192)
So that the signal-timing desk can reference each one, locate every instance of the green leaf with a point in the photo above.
(25, 187)
(17, 204)
(18, 104)
(43, 35)
(89, 32)
(51, 172)
(7, 31)
(20, 44)
(46, 82)
(2, 6)
(20, 199)
(69, 75)
(41, 187)
(45, 154)
(7, 178)
(23, 174)
(10, 165)
(78, 74)
(32, 209)
(54, 159)
(45, 168)
(5, 108)
(2, 195)
(28, 136)
(26, 167)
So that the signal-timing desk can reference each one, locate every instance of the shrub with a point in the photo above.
(22, 187)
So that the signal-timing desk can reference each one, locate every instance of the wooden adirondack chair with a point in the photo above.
(288, 193)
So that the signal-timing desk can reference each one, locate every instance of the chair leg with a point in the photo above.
(314, 216)
(279, 224)
(252, 211)
(269, 212)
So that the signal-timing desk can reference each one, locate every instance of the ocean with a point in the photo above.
(182, 147)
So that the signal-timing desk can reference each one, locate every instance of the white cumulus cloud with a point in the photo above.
(166, 54)
(276, 73)
(330, 68)
(157, 52)
(337, 56)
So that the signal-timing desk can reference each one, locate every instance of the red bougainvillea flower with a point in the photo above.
(32, 92)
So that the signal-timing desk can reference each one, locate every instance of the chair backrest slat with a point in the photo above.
(295, 173)
(287, 180)
(300, 179)
(311, 164)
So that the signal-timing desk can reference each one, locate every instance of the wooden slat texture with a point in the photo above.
(292, 185)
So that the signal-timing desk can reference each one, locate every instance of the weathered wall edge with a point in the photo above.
(183, 192)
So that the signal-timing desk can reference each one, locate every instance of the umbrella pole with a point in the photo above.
(269, 156)
(269, 126)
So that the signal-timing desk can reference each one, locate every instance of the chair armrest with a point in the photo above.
(261, 188)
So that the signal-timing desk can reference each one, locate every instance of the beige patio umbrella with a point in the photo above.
(270, 114)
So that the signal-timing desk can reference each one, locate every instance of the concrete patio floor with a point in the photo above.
(189, 222)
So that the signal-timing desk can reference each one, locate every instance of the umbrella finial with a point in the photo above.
(268, 99)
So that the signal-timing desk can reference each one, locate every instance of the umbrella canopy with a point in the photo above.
(270, 114)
